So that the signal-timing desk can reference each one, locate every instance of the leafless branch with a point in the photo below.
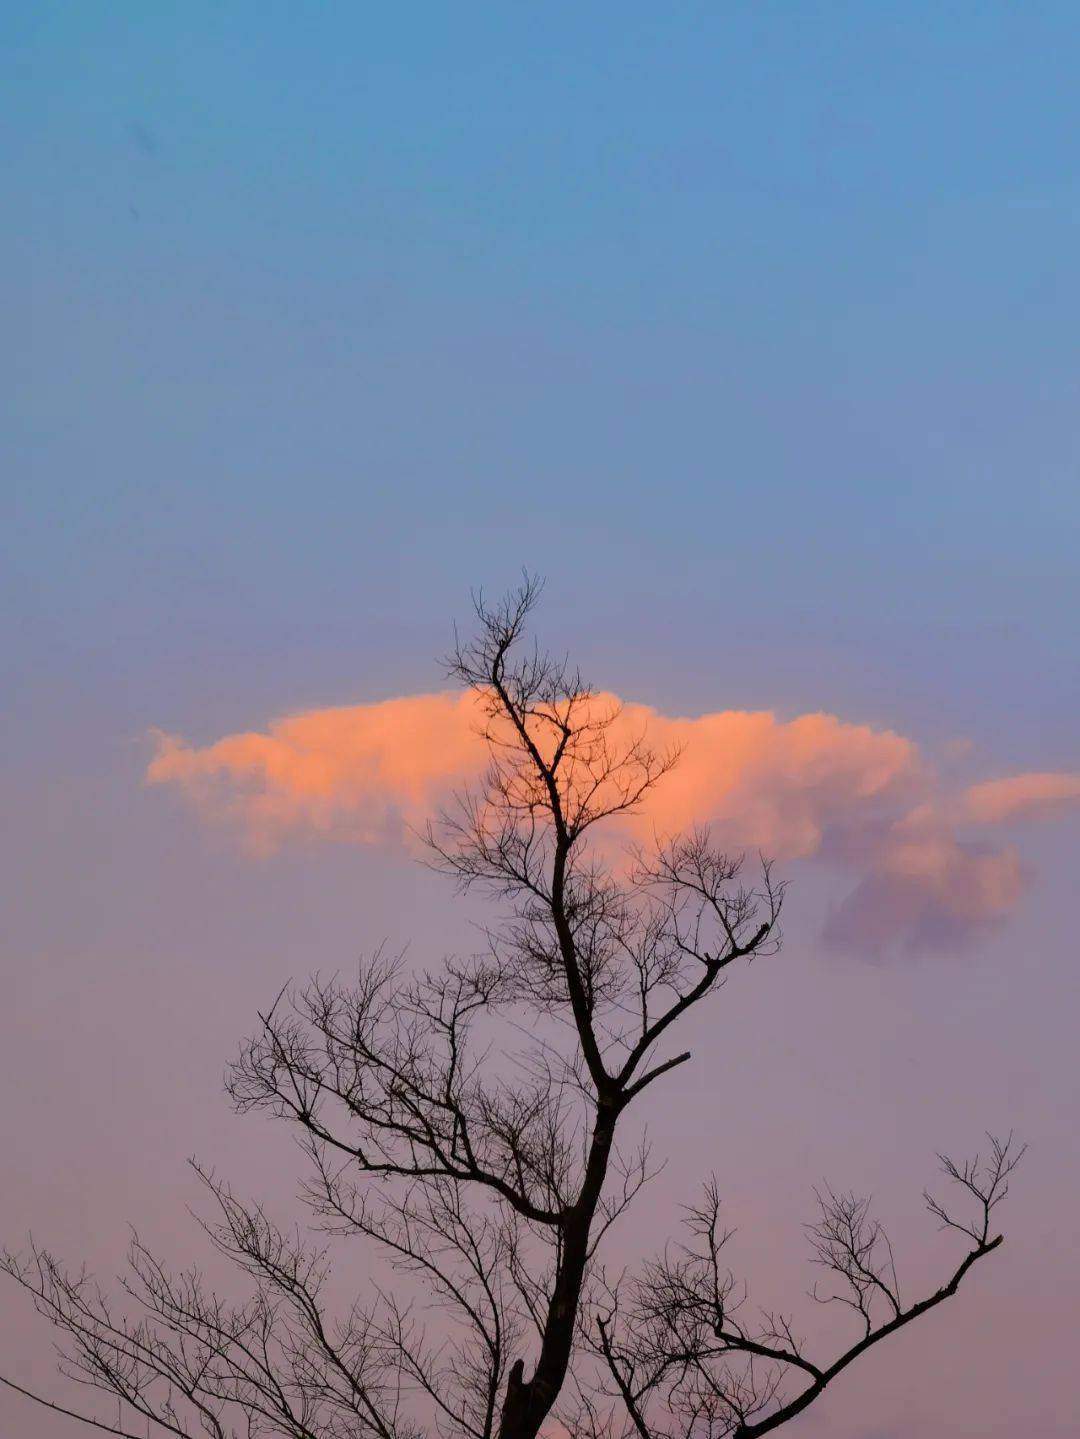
(680, 1341)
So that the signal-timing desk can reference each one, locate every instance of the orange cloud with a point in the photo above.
(357, 772)
(857, 797)
(354, 773)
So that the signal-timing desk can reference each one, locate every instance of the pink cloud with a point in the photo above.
(860, 798)
(923, 888)
(1022, 796)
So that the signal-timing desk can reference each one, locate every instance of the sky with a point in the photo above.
(754, 329)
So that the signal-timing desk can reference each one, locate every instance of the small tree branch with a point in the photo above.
(73, 1414)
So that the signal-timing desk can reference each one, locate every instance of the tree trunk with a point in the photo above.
(527, 1405)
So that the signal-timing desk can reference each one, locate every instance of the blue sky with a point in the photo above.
(323, 313)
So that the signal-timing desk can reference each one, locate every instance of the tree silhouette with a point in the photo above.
(464, 1122)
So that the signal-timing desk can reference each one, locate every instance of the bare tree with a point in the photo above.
(464, 1123)
(681, 1359)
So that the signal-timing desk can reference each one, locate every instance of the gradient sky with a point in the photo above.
(753, 327)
